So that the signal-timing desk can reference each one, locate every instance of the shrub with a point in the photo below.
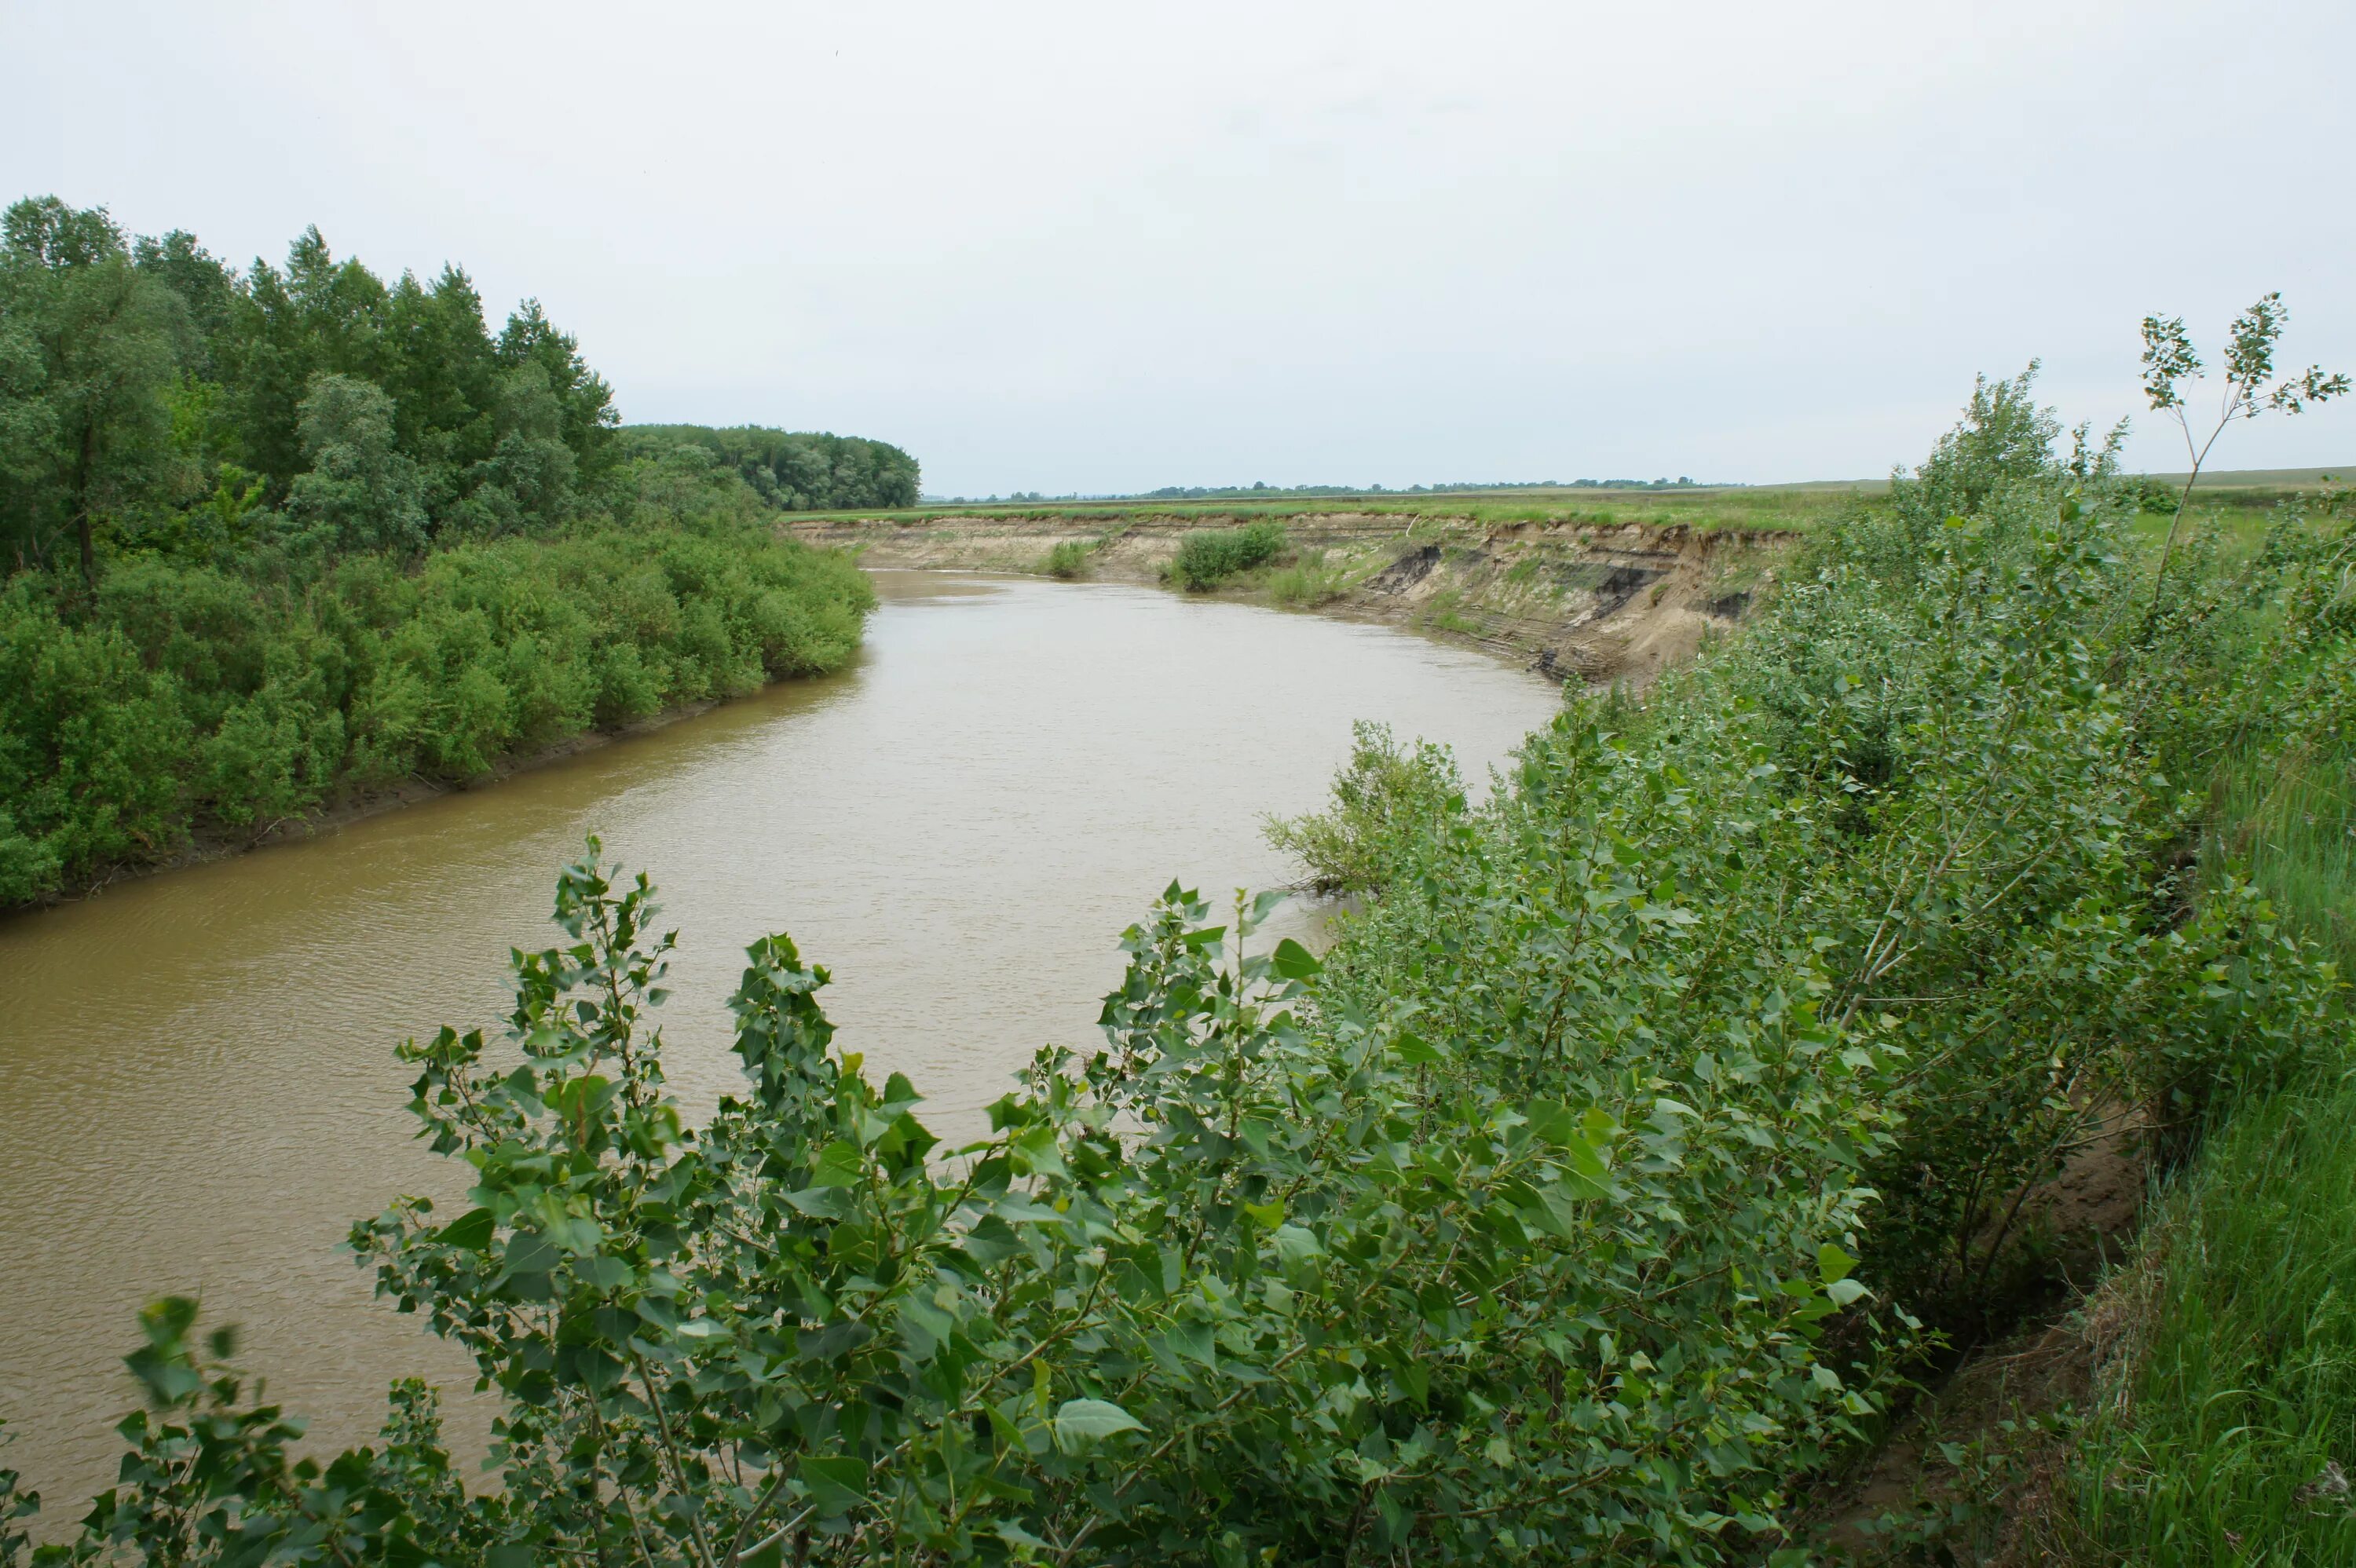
(1067, 558)
(1208, 556)
(1389, 804)
(195, 699)
(1934, 766)
(1260, 1278)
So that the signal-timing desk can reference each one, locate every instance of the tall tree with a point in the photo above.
(587, 417)
(93, 396)
(361, 491)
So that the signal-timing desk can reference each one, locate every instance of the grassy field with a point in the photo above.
(2240, 503)
(1773, 509)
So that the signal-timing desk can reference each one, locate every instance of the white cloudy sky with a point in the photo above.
(1102, 246)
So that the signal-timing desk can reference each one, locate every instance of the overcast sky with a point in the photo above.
(1108, 247)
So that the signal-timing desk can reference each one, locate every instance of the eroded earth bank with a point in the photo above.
(1602, 602)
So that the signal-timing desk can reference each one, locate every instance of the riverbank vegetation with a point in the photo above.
(189, 703)
(1308, 579)
(1067, 560)
(274, 540)
(1207, 557)
(1655, 1120)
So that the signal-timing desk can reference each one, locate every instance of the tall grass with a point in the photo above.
(2292, 819)
(1312, 579)
(1067, 558)
(2229, 1435)
(2226, 1443)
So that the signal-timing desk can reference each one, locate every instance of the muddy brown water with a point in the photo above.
(197, 1093)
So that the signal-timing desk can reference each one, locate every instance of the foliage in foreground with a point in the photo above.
(185, 700)
(1329, 1297)
(1940, 761)
(2223, 1427)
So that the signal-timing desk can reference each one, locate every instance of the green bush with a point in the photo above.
(1389, 804)
(1937, 763)
(1208, 556)
(190, 700)
(1067, 558)
(2224, 1411)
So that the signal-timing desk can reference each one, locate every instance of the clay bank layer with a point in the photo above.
(1601, 602)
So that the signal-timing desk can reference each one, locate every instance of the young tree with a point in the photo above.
(2004, 438)
(361, 492)
(2169, 361)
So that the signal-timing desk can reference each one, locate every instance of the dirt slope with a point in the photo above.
(1599, 602)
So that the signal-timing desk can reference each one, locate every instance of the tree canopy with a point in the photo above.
(154, 398)
(794, 473)
(274, 538)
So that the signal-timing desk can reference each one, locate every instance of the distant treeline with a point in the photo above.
(153, 397)
(794, 472)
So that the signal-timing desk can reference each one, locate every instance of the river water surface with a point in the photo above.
(197, 1093)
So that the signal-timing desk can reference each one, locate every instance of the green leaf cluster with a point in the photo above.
(1208, 556)
(187, 703)
(153, 397)
(270, 539)
(155, 400)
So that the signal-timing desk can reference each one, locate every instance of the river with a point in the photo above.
(197, 1081)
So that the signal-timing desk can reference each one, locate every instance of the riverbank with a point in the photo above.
(206, 847)
(185, 709)
(1599, 601)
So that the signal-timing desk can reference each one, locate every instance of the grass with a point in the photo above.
(2236, 503)
(2293, 820)
(1782, 509)
(2237, 519)
(1067, 558)
(2228, 1441)
(1309, 580)
(2230, 1436)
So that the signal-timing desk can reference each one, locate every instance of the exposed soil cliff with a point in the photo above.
(1599, 603)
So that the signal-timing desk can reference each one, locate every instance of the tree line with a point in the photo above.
(154, 398)
(273, 536)
(794, 472)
